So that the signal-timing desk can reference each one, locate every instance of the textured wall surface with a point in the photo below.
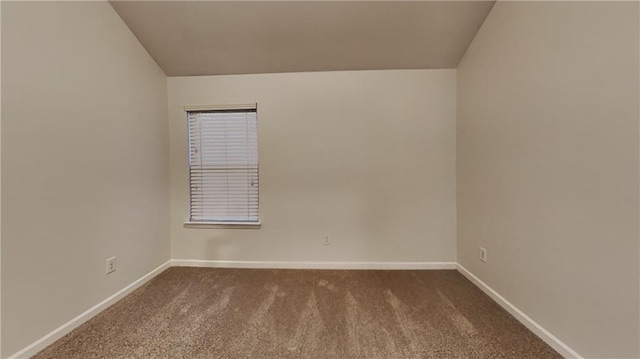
(84, 163)
(547, 159)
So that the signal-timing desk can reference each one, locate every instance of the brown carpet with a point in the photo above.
(254, 313)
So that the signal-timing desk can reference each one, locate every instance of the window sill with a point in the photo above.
(223, 225)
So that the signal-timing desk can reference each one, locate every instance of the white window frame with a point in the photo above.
(218, 224)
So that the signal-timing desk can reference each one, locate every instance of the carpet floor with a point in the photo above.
(257, 313)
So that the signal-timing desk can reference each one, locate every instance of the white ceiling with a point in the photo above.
(189, 38)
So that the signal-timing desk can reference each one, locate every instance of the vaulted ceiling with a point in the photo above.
(188, 38)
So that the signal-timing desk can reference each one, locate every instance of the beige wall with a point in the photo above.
(0, 188)
(367, 157)
(84, 163)
(547, 167)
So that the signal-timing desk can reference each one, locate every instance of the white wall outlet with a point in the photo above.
(483, 254)
(327, 239)
(111, 265)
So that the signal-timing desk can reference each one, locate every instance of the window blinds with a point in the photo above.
(223, 165)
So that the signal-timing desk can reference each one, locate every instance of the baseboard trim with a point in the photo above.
(531, 324)
(312, 265)
(67, 327)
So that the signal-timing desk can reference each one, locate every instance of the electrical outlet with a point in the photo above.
(327, 239)
(111, 265)
(483, 254)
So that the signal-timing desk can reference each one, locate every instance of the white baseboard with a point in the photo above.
(312, 265)
(536, 328)
(67, 327)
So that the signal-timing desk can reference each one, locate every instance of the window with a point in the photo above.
(223, 166)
